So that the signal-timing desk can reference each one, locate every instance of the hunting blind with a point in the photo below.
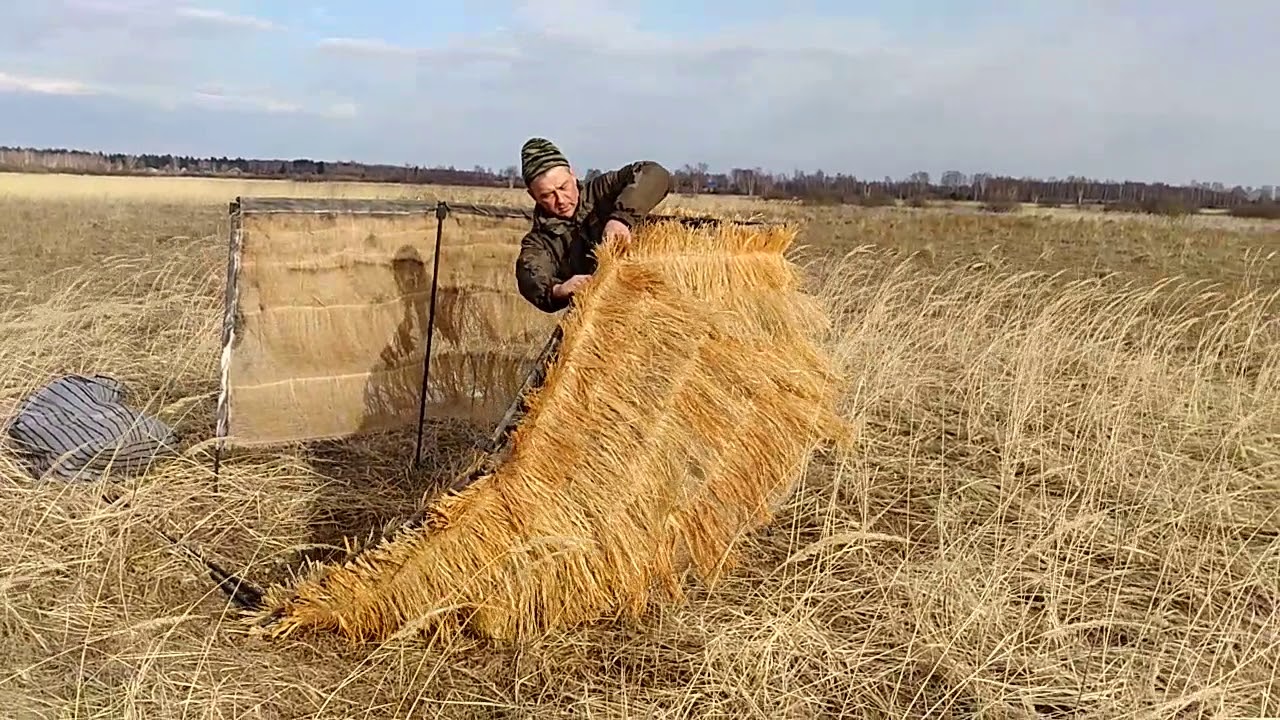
(352, 316)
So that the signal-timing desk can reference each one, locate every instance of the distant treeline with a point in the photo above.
(814, 187)
(99, 163)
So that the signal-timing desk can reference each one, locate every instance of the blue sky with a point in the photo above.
(1171, 90)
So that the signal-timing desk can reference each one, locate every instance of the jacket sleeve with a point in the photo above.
(536, 274)
(632, 191)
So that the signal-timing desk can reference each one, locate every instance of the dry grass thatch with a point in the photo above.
(689, 392)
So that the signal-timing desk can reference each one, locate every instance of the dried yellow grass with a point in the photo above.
(200, 192)
(690, 389)
(1063, 503)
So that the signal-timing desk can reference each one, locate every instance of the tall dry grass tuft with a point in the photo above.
(1067, 499)
(687, 396)
(1063, 503)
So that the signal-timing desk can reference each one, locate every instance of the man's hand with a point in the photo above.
(565, 290)
(617, 229)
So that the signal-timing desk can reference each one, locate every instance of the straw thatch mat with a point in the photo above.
(690, 390)
(332, 312)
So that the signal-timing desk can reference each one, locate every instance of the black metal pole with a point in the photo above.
(242, 592)
(442, 211)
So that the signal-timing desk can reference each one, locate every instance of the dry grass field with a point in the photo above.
(1064, 502)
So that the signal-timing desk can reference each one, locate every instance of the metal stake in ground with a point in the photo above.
(442, 211)
(242, 593)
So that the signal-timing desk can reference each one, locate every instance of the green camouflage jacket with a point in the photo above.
(555, 250)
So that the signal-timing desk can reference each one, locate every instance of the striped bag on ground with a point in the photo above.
(78, 427)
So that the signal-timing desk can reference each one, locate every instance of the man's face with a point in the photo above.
(556, 191)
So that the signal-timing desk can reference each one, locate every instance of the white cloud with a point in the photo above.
(473, 49)
(207, 97)
(1125, 88)
(43, 86)
(153, 53)
(217, 99)
(364, 46)
(218, 17)
(342, 110)
(63, 15)
(1104, 89)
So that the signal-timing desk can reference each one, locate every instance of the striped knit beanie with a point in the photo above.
(537, 156)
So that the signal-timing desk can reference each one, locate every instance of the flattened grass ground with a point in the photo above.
(1066, 501)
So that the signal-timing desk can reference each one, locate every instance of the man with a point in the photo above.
(571, 218)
